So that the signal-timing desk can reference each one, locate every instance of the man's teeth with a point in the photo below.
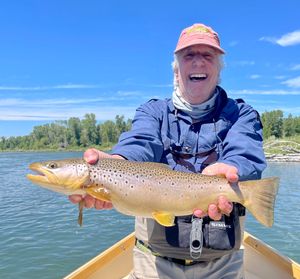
(196, 77)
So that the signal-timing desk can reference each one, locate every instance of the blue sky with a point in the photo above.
(60, 59)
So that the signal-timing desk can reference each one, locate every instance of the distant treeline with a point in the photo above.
(70, 134)
(75, 134)
(277, 126)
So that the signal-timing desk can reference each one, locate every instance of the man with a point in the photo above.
(198, 130)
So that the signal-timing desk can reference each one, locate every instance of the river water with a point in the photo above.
(40, 238)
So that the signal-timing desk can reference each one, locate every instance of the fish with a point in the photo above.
(153, 190)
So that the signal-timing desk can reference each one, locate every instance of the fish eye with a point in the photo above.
(52, 165)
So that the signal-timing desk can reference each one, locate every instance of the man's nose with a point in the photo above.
(198, 60)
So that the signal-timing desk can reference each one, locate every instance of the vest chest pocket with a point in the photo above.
(219, 235)
(179, 235)
(224, 234)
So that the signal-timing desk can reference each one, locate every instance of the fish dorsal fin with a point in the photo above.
(99, 193)
(164, 218)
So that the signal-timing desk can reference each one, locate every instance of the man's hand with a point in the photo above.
(223, 205)
(92, 156)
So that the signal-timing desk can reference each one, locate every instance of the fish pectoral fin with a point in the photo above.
(164, 218)
(99, 193)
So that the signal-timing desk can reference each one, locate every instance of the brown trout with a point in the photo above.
(153, 190)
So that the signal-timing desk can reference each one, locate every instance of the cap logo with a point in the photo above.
(200, 29)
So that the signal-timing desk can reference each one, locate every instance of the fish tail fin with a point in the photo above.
(261, 199)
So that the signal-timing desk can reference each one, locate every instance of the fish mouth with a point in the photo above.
(42, 175)
(68, 185)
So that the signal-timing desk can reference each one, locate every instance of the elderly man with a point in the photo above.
(199, 130)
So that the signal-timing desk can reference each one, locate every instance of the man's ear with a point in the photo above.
(176, 74)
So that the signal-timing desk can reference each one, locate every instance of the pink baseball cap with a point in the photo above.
(199, 34)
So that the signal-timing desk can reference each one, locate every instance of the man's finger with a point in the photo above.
(75, 198)
(214, 213)
(224, 205)
(199, 213)
(89, 201)
(231, 175)
(91, 156)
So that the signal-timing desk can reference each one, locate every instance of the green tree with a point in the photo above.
(120, 124)
(89, 135)
(273, 123)
(289, 126)
(74, 131)
(109, 133)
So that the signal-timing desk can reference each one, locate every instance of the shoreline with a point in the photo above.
(295, 157)
(105, 149)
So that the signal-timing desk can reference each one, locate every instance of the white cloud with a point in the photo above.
(233, 43)
(75, 86)
(41, 88)
(293, 82)
(104, 107)
(244, 63)
(255, 76)
(280, 77)
(129, 93)
(61, 113)
(263, 92)
(288, 39)
(20, 88)
(295, 67)
(48, 102)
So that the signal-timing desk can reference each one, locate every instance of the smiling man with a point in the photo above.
(198, 130)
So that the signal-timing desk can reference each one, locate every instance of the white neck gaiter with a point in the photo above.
(195, 111)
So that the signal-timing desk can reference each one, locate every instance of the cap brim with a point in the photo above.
(200, 42)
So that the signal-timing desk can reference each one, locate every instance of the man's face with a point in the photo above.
(197, 73)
